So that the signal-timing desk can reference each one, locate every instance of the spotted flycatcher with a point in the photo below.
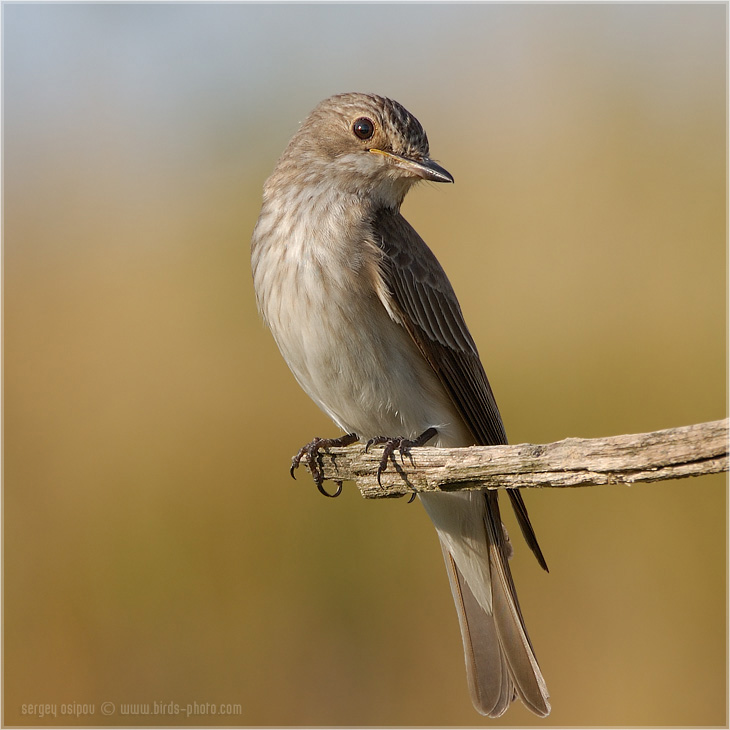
(369, 324)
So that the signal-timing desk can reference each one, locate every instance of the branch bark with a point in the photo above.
(573, 462)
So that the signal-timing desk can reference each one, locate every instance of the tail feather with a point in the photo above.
(487, 673)
(511, 628)
(500, 660)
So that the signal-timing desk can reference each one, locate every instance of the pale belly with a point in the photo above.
(361, 367)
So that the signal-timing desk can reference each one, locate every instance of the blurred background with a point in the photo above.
(156, 550)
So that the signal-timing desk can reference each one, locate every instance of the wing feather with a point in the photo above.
(431, 313)
(427, 306)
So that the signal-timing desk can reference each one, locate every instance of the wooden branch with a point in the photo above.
(573, 462)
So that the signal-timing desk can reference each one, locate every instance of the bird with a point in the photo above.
(369, 324)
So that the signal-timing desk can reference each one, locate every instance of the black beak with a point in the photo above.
(424, 168)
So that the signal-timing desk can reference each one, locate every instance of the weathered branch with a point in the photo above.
(573, 462)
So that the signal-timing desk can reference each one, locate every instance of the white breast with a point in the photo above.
(317, 295)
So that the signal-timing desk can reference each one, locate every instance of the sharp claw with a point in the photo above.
(382, 466)
(376, 441)
(390, 446)
(403, 445)
(297, 458)
(403, 450)
(322, 490)
(310, 454)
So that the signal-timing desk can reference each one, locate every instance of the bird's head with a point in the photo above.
(363, 144)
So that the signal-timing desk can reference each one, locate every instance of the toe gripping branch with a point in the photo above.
(402, 445)
(313, 459)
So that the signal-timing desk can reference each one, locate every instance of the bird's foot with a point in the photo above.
(313, 459)
(402, 445)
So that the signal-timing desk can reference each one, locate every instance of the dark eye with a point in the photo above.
(363, 128)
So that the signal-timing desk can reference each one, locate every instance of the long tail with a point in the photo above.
(500, 661)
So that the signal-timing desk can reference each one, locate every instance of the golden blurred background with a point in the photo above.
(156, 550)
